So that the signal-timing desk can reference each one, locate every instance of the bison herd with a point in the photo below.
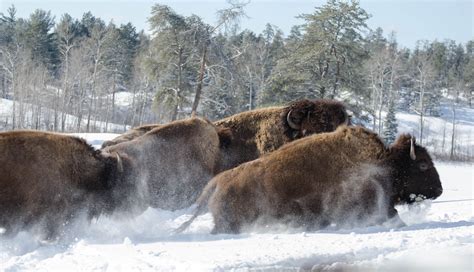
(303, 164)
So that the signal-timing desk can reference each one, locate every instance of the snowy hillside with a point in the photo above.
(6, 106)
(438, 237)
(438, 130)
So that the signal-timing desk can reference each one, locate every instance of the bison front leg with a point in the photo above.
(225, 227)
(394, 219)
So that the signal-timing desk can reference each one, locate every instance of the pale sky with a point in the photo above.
(411, 19)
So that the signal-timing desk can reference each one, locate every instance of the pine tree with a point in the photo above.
(390, 126)
(41, 40)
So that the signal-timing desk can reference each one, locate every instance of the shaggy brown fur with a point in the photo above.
(48, 178)
(344, 177)
(173, 162)
(260, 131)
(130, 135)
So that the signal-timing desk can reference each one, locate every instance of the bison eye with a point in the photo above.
(423, 166)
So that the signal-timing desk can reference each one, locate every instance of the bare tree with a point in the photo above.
(424, 78)
(226, 17)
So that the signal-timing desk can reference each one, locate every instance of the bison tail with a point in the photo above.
(201, 205)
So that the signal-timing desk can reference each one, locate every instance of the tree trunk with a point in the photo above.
(336, 81)
(250, 89)
(197, 97)
(107, 110)
(65, 92)
(89, 113)
(422, 93)
(451, 155)
(174, 114)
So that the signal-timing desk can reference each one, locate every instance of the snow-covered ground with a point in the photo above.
(439, 236)
(438, 130)
(6, 109)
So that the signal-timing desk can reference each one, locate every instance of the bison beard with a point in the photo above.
(347, 177)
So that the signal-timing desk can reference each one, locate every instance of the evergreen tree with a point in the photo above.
(390, 125)
(41, 40)
(468, 74)
(332, 45)
(325, 60)
(174, 56)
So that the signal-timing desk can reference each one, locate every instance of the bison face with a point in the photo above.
(307, 117)
(419, 178)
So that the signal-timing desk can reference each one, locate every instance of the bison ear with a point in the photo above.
(406, 141)
(403, 140)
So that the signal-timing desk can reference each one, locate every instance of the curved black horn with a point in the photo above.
(291, 123)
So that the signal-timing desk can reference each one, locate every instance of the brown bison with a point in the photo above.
(254, 133)
(260, 131)
(130, 135)
(347, 177)
(47, 178)
(173, 162)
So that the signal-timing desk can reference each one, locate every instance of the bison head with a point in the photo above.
(305, 117)
(417, 178)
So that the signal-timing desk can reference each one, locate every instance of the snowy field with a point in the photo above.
(439, 236)
(6, 108)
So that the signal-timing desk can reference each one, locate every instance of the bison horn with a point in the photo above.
(291, 123)
(119, 163)
(412, 148)
(349, 116)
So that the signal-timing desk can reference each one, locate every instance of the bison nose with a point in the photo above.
(439, 191)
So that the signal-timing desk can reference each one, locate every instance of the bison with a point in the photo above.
(347, 178)
(261, 131)
(253, 133)
(130, 135)
(46, 179)
(173, 162)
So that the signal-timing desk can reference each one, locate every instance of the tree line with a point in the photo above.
(67, 75)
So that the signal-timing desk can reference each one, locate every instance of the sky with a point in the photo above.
(412, 20)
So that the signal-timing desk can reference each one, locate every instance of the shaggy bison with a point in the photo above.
(344, 177)
(48, 178)
(254, 133)
(173, 162)
(260, 131)
(130, 135)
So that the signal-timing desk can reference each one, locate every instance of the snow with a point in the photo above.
(437, 128)
(6, 109)
(438, 237)
(96, 139)
(123, 99)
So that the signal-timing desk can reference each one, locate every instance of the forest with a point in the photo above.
(73, 74)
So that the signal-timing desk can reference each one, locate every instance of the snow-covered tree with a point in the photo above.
(390, 125)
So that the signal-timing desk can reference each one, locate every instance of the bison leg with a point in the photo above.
(394, 219)
(227, 220)
(222, 226)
